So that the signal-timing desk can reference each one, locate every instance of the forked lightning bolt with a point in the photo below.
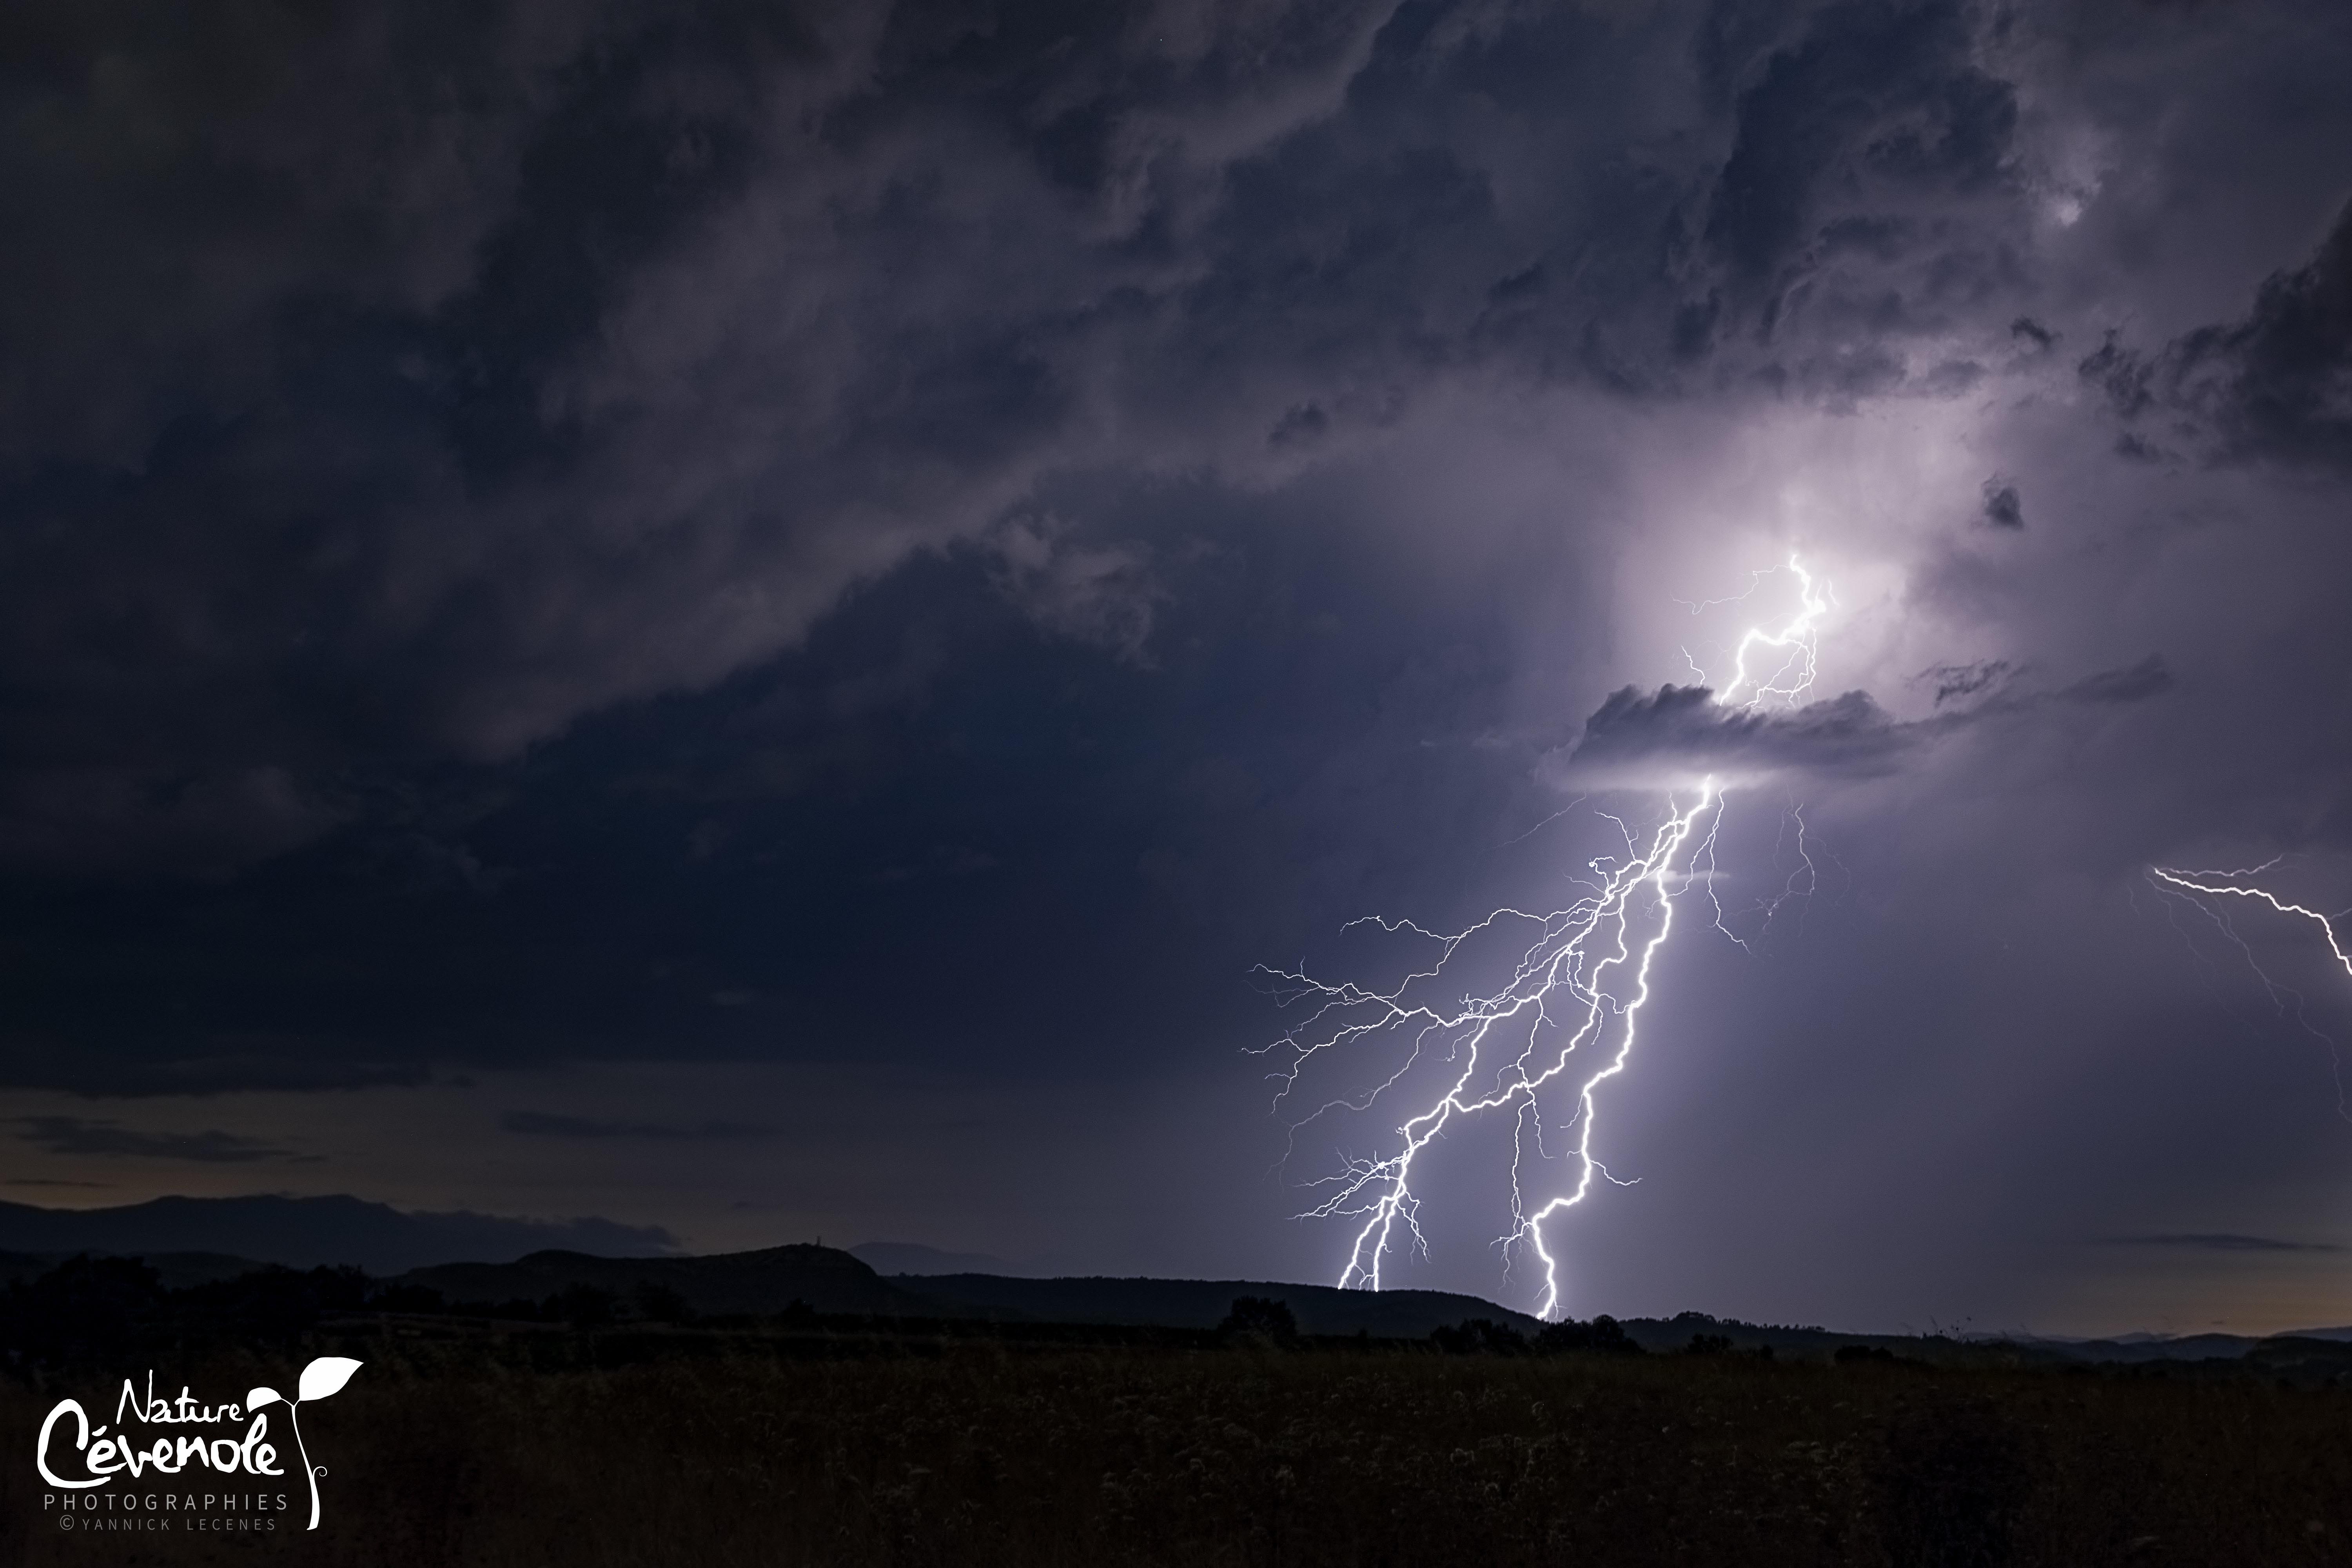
(2289, 1001)
(1793, 651)
(1574, 997)
(2219, 883)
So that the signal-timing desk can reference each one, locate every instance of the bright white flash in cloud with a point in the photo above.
(1533, 1054)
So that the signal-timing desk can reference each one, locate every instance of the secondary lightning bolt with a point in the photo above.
(2220, 884)
(1576, 991)
(2213, 883)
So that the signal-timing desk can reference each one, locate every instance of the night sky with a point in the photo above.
(751, 618)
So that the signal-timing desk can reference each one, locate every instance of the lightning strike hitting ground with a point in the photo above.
(1564, 1023)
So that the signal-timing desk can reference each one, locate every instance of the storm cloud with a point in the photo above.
(1672, 736)
(388, 388)
(2277, 384)
(1634, 739)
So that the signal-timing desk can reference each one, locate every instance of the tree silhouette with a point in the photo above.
(1261, 1318)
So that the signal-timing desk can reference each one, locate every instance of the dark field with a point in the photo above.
(489, 1445)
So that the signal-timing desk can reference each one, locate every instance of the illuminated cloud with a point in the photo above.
(1677, 732)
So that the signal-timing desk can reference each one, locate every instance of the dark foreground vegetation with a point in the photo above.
(807, 1439)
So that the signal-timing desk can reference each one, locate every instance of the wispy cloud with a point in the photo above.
(2226, 1241)
(77, 1135)
(547, 1124)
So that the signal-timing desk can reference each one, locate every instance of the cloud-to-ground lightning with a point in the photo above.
(1564, 1023)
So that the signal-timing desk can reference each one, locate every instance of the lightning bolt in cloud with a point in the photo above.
(1567, 1019)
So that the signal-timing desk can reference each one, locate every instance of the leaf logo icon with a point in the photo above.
(323, 1377)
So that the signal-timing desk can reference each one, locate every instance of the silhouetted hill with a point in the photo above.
(2192, 1347)
(826, 1278)
(830, 1281)
(1203, 1303)
(1675, 1333)
(173, 1271)
(304, 1233)
(199, 1241)
(914, 1258)
(2157, 1347)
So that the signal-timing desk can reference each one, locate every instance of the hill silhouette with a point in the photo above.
(913, 1257)
(469, 1257)
(173, 1271)
(1203, 1303)
(306, 1233)
(720, 1284)
(830, 1280)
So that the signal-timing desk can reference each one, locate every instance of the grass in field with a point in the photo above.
(721, 1449)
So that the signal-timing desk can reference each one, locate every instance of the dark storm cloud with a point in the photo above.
(549, 1124)
(1859, 141)
(1958, 682)
(2277, 384)
(396, 384)
(1633, 737)
(79, 1135)
(1678, 732)
(2137, 683)
(531, 531)
(389, 385)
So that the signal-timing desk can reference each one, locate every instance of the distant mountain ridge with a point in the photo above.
(484, 1258)
(304, 1233)
(720, 1284)
(914, 1258)
(830, 1280)
(1203, 1303)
